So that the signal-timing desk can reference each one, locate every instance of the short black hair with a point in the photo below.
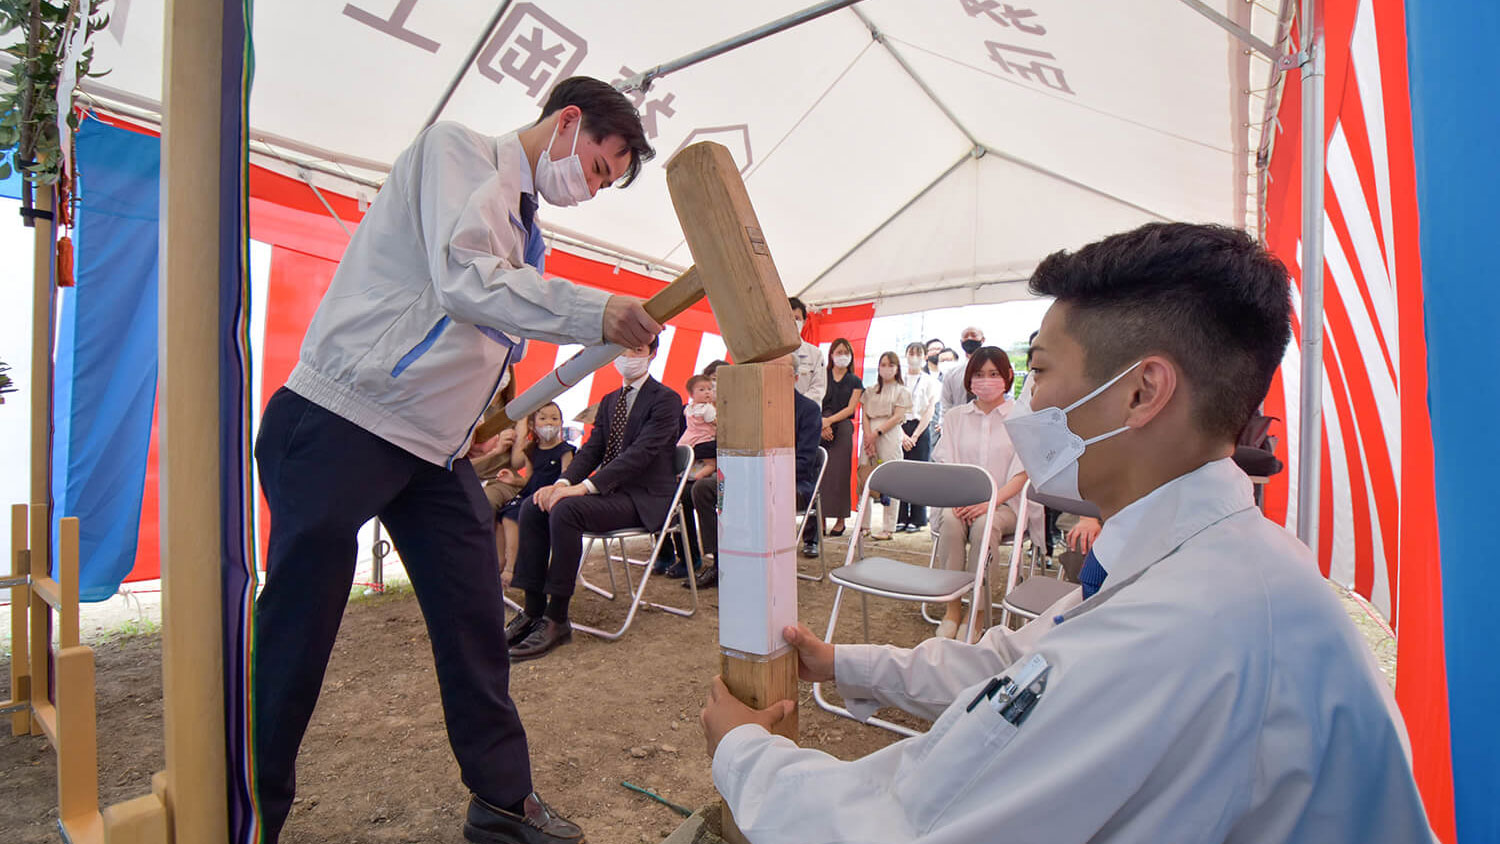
(606, 113)
(1208, 297)
(797, 305)
(655, 341)
(713, 366)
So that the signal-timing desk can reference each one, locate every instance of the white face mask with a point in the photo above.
(842, 360)
(632, 368)
(947, 366)
(914, 363)
(562, 182)
(1048, 448)
(547, 433)
(888, 373)
(799, 323)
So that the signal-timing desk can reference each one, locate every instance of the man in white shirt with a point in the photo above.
(1208, 687)
(954, 393)
(431, 303)
(812, 376)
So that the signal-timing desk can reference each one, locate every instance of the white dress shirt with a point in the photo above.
(972, 436)
(1213, 690)
(924, 394)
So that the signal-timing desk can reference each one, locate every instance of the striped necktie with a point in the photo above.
(617, 422)
(1092, 576)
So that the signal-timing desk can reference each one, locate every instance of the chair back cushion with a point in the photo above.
(932, 484)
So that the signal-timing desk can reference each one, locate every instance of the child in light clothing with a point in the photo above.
(702, 433)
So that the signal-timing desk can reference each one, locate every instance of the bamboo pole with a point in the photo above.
(192, 631)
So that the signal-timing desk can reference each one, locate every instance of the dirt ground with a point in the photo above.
(375, 767)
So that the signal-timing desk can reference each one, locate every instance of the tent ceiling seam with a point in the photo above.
(880, 37)
(970, 155)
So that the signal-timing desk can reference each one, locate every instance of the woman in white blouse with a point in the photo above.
(973, 433)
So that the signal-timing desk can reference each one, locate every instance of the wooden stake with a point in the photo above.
(192, 631)
(757, 544)
(20, 609)
(40, 540)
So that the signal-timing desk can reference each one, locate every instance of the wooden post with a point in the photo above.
(75, 739)
(20, 612)
(40, 540)
(757, 543)
(192, 631)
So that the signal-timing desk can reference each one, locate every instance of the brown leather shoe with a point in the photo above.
(538, 824)
(546, 638)
(519, 628)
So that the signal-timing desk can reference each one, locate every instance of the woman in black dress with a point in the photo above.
(840, 404)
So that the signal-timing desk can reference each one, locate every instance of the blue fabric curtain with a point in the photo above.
(1455, 120)
(106, 354)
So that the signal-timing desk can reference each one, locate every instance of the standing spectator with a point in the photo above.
(916, 442)
(934, 348)
(976, 434)
(812, 379)
(884, 409)
(954, 393)
(947, 361)
(839, 405)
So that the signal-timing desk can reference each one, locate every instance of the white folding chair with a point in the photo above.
(683, 462)
(814, 510)
(1036, 592)
(930, 484)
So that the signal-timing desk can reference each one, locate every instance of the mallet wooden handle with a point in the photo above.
(668, 302)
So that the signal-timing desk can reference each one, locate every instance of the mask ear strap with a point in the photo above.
(1101, 388)
(576, 133)
(1092, 440)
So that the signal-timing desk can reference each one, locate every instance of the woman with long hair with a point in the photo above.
(839, 406)
(884, 410)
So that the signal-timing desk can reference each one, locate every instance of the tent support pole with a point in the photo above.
(642, 81)
(1310, 444)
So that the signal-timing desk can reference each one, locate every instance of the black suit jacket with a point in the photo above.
(644, 467)
(809, 421)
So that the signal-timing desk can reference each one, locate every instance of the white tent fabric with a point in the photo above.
(916, 154)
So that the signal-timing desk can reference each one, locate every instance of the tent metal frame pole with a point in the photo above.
(642, 81)
(463, 69)
(1311, 428)
(1233, 28)
(881, 39)
(1268, 123)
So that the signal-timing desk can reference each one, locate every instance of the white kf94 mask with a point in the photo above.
(1048, 448)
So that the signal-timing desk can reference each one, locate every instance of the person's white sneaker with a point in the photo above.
(946, 629)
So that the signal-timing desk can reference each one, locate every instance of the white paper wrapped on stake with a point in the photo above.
(757, 550)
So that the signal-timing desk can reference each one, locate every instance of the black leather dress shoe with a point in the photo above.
(546, 638)
(708, 578)
(676, 571)
(519, 628)
(810, 550)
(538, 824)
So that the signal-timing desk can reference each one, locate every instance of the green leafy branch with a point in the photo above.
(6, 385)
(28, 106)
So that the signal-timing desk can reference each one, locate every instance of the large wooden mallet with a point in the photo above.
(734, 271)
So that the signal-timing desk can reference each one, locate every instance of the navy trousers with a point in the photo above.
(324, 477)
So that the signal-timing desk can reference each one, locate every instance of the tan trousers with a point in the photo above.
(958, 544)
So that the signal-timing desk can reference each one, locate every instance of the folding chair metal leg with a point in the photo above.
(828, 706)
(815, 511)
(692, 584)
(584, 581)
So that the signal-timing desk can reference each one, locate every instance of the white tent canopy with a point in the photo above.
(917, 154)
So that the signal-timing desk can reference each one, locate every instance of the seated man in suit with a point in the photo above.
(622, 477)
(808, 426)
